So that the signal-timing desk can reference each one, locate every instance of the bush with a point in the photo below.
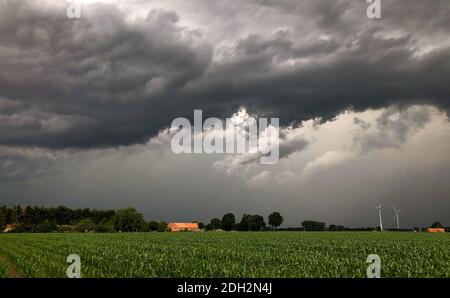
(311, 225)
(45, 227)
(105, 226)
(85, 225)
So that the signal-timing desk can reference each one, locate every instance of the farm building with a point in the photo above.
(436, 230)
(177, 226)
(9, 228)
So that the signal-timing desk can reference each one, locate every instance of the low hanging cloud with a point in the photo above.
(393, 127)
(368, 131)
(336, 177)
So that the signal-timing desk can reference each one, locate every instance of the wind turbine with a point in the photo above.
(396, 216)
(381, 221)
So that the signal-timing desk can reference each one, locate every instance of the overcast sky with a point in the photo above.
(85, 107)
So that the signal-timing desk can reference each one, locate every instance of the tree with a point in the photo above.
(27, 215)
(257, 223)
(251, 223)
(228, 222)
(153, 226)
(437, 224)
(144, 227)
(5, 214)
(162, 227)
(245, 223)
(86, 225)
(275, 220)
(16, 214)
(44, 227)
(64, 215)
(336, 228)
(128, 220)
(311, 225)
(105, 225)
(215, 224)
(2, 220)
(28, 218)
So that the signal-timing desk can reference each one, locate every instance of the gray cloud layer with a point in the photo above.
(80, 99)
(106, 81)
(344, 172)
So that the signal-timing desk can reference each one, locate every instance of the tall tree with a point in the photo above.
(228, 222)
(153, 225)
(245, 223)
(251, 223)
(128, 220)
(215, 224)
(437, 224)
(275, 220)
(257, 223)
(2, 220)
(16, 214)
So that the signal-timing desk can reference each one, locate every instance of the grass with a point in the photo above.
(3, 273)
(279, 254)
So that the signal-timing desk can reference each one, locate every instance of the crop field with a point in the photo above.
(234, 254)
(3, 271)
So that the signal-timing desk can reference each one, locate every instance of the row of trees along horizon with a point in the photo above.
(63, 219)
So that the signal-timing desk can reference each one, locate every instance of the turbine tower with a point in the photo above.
(396, 216)
(381, 221)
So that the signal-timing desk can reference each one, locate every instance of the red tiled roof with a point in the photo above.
(436, 230)
(183, 225)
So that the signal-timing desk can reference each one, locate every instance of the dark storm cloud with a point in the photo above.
(281, 46)
(103, 81)
(108, 82)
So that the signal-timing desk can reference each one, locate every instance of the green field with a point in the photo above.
(3, 271)
(234, 254)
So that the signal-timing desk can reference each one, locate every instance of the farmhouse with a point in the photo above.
(177, 226)
(436, 230)
(9, 228)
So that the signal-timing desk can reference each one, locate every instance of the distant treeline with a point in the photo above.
(40, 219)
(63, 219)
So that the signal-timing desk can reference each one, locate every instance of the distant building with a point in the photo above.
(178, 226)
(436, 230)
(9, 228)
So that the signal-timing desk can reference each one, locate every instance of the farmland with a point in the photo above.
(2, 271)
(234, 254)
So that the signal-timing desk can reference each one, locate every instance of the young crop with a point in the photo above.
(244, 254)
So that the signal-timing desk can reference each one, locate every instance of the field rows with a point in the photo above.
(280, 254)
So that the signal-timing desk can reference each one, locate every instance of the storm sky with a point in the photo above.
(86, 106)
